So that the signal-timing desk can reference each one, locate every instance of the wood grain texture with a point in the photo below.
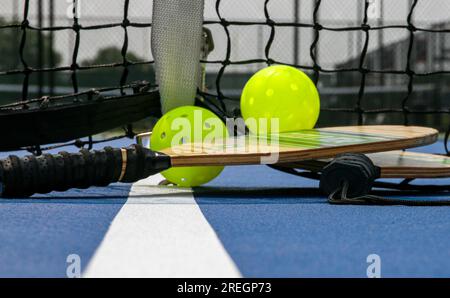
(395, 164)
(303, 145)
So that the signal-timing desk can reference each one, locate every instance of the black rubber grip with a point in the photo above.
(23, 177)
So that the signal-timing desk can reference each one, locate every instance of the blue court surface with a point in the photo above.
(251, 222)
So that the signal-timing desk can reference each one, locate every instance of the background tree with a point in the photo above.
(110, 55)
(111, 76)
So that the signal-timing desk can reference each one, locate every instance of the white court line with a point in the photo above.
(160, 236)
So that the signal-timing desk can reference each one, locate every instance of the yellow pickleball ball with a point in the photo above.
(188, 124)
(284, 93)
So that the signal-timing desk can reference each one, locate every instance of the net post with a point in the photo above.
(40, 50)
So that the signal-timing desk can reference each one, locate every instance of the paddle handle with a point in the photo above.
(23, 177)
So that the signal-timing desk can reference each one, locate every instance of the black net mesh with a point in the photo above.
(68, 57)
(47, 49)
(374, 62)
(369, 68)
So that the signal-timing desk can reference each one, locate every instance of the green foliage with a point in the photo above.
(10, 46)
(107, 76)
(110, 55)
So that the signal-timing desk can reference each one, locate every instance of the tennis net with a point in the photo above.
(374, 62)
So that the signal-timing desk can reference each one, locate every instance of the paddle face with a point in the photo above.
(299, 146)
(395, 164)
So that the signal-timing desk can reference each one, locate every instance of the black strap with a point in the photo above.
(339, 197)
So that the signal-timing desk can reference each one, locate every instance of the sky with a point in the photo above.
(247, 42)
